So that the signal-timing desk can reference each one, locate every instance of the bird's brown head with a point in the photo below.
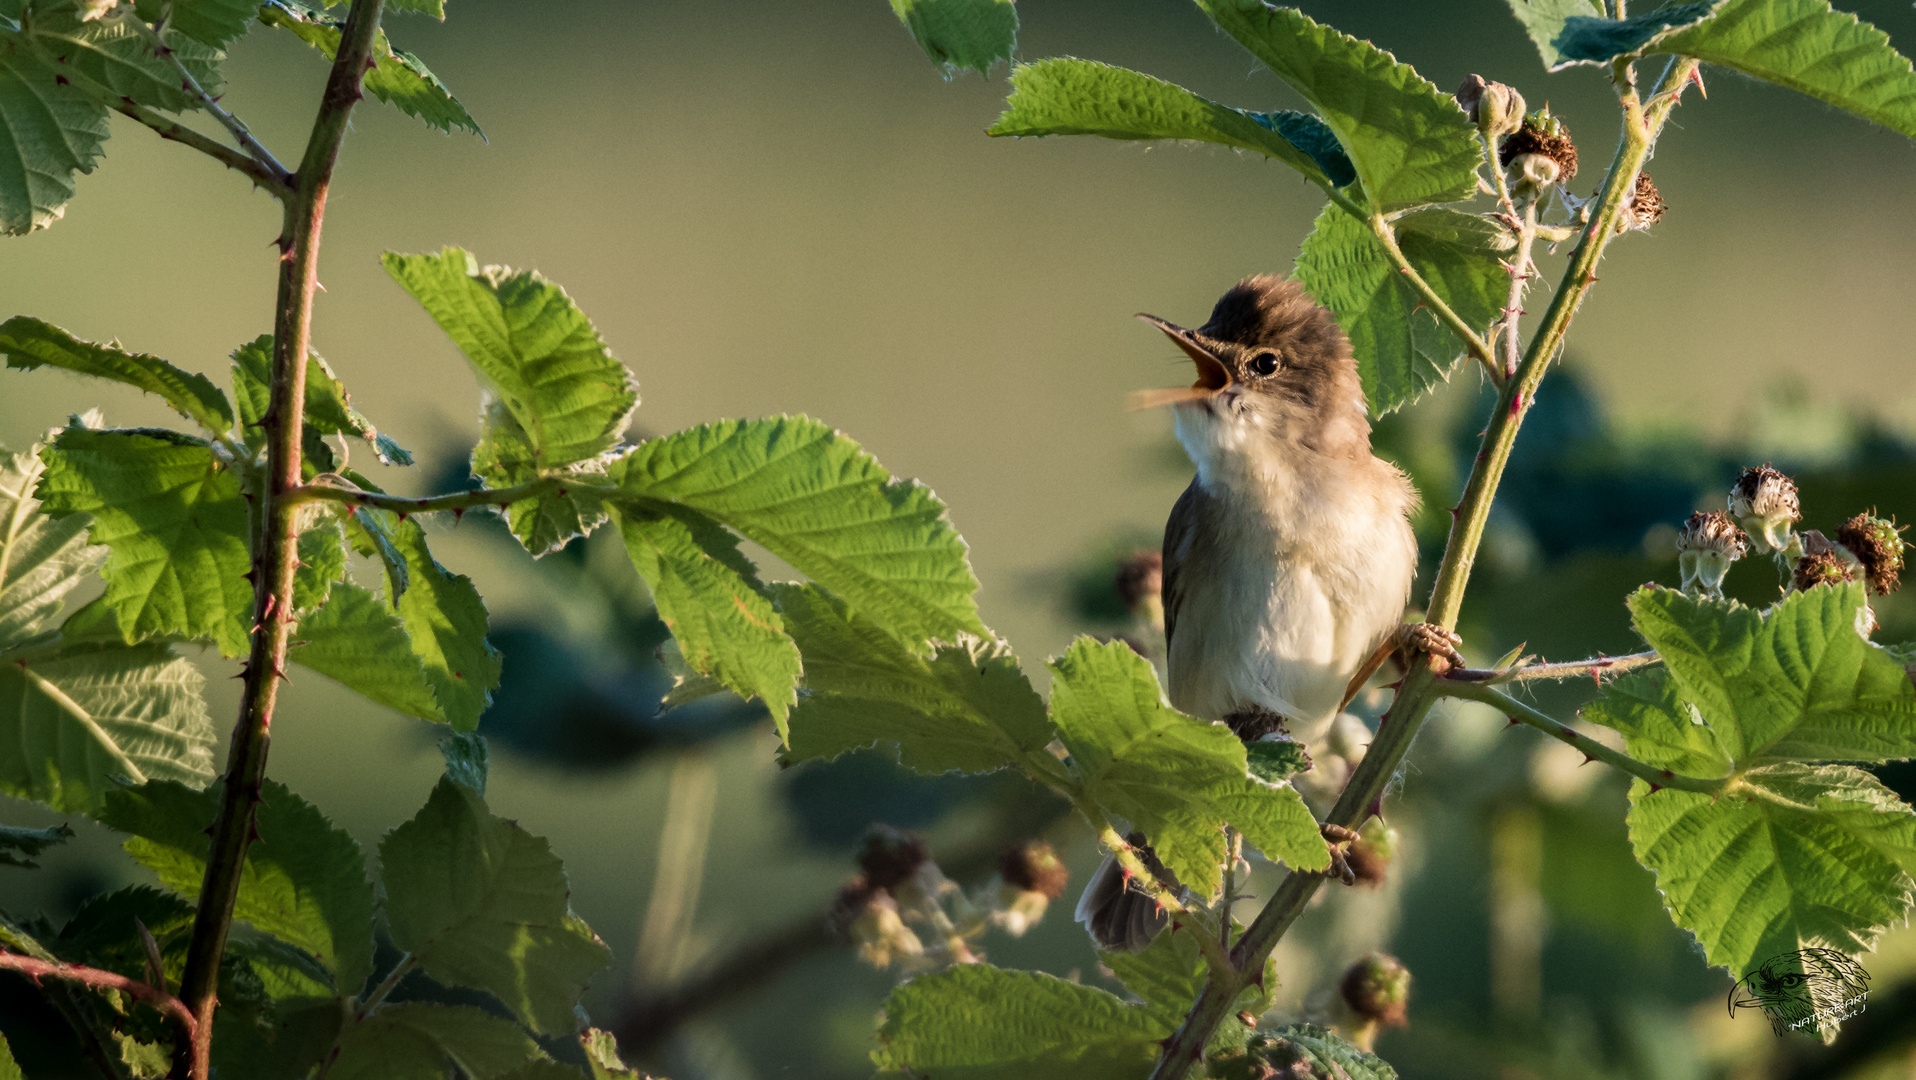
(1270, 360)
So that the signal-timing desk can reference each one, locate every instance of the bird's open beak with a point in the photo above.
(1212, 375)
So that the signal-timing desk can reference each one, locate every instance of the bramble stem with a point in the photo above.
(1519, 279)
(322, 488)
(275, 542)
(1473, 341)
(1598, 666)
(244, 136)
(279, 187)
(1520, 713)
(1364, 792)
(169, 1006)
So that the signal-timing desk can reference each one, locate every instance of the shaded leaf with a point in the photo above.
(482, 903)
(210, 22)
(172, 515)
(968, 708)
(19, 846)
(49, 131)
(322, 562)
(959, 34)
(118, 57)
(398, 78)
(1081, 97)
(105, 931)
(1592, 40)
(1544, 20)
(30, 343)
(360, 642)
(985, 1023)
(446, 622)
(329, 408)
(1346, 269)
(815, 499)
(417, 1040)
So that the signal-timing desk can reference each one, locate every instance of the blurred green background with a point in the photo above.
(772, 207)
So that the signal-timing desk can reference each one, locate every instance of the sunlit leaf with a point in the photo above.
(979, 1022)
(41, 559)
(211, 22)
(397, 78)
(117, 56)
(30, 343)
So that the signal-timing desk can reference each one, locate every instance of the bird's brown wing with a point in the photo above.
(1178, 536)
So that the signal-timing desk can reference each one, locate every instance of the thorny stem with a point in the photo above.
(1364, 792)
(1591, 749)
(1472, 340)
(1596, 666)
(1520, 273)
(275, 542)
(1233, 851)
(169, 1006)
(191, 85)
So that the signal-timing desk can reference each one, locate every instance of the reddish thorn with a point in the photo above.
(1588, 758)
(186, 87)
(1654, 788)
(1590, 279)
(561, 493)
(422, 502)
(1668, 775)
(1696, 76)
(1513, 721)
(1376, 811)
(251, 576)
(457, 513)
(1567, 735)
(129, 101)
(1516, 404)
(61, 80)
(1453, 512)
(208, 830)
(402, 514)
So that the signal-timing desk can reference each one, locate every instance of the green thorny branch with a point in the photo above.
(1363, 795)
(274, 538)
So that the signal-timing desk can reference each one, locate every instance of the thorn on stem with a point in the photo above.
(1588, 758)
(457, 513)
(1654, 788)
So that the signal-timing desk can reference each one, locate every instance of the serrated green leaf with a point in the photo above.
(481, 903)
(1659, 728)
(104, 933)
(710, 597)
(1791, 857)
(1798, 684)
(30, 343)
(1811, 48)
(361, 643)
(1593, 40)
(1324, 1051)
(9, 1068)
(602, 1056)
(1346, 269)
(959, 34)
(968, 708)
(1082, 97)
(1409, 143)
(505, 456)
(41, 559)
(446, 622)
(329, 408)
(286, 1041)
(979, 1022)
(285, 971)
(397, 78)
(78, 720)
(172, 515)
(1174, 777)
(19, 846)
(49, 131)
(1275, 761)
(434, 8)
(1543, 20)
(304, 881)
(322, 562)
(417, 1040)
(1167, 976)
(118, 57)
(211, 22)
(815, 499)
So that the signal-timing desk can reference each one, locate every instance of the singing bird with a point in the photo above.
(1288, 561)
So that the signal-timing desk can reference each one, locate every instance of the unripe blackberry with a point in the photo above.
(1539, 156)
(889, 857)
(1764, 502)
(1377, 988)
(1646, 206)
(1035, 867)
(1824, 568)
(1878, 545)
(1706, 547)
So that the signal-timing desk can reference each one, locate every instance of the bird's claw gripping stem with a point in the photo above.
(1433, 641)
(1338, 839)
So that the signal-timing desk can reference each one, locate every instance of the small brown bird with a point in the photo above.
(1288, 561)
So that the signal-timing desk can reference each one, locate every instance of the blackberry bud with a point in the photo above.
(1377, 989)
(890, 857)
(1824, 568)
(1035, 867)
(881, 935)
(1706, 547)
(1140, 584)
(1764, 502)
(1878, 545)
(1645, 208)
(1539, 155)
(1369, 856)
(1496, 109)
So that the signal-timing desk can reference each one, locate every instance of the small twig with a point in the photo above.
(280, 187)
(191, 85)
(1591, 749)
(341, 492)
(168, 1005)
(1568, 669)
(1519, 282)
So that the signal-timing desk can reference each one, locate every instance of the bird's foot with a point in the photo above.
(1433, 641)
(1254, 722)
(1338, 839)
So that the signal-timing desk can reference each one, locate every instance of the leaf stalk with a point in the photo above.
(1521, 713)
(169, 1006)
(241, 133)
(1474, 342)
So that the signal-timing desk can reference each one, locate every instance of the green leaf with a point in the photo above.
(49, 131)
(1659, 728)
(446, 620)
(20, 846)
(1167, 976)
(104, 933)
(1805, 45)
(30, 343)
(1081, 97)
(304, 881)
(814, 499)
(1275, 761)
(1177, 778)
(358, 641)
(1544, 20)
(467, 760)
(434, 8)
(9, 1068)
(397, 78)
(173, 517)
(1347, 270)
(1323, 1051)
(968, 708)
(1590, 40)
(75, 722)
(602, 1056)
(979, 1022)
(286, 1040)
(417, 1040)
(1791, 857)
(119, 58)
(710, 597)
(959, 34)
(211, 22)
(329, 408)
(1409, 143)
(322, 562)
(1799, 684)
(505, 456)
(481, 903)
(41, 559)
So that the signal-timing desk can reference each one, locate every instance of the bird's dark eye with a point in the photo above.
(1264, 363)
